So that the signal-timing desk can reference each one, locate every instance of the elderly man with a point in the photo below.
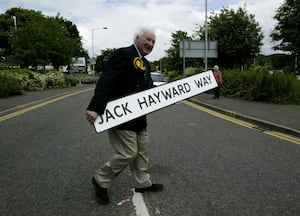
(127, 72)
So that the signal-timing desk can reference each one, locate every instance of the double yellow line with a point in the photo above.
(27, 107)
(246, 124)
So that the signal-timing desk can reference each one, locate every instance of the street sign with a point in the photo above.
(196, 49)
(133, 106)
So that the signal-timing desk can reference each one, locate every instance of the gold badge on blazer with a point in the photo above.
(138, 64)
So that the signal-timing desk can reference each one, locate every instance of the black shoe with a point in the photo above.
(100, 192)
(152, 188)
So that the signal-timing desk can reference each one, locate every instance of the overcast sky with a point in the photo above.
(122, 17)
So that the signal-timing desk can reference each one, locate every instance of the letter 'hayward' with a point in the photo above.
(133, 106)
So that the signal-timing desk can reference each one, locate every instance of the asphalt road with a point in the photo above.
(209, 166)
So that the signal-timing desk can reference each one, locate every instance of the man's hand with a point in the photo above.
(91, 116)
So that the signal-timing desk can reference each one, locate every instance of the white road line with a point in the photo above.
(138, 202)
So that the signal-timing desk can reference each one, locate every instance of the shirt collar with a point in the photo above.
(140, 55)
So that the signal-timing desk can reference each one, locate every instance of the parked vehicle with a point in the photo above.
(158, 79)
(78, 65)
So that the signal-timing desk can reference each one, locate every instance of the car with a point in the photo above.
(158, 79)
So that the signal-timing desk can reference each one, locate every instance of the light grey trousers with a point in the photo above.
(130, 148)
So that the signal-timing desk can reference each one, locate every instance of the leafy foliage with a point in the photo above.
(32, 81)
(173, 51)
(16, 81)
(9, 85)
(82, 78)
(287, 31)
(238, 34)
(257, 84)
(35, 39)
(102, 59)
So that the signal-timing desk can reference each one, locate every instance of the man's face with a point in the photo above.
(145, 43)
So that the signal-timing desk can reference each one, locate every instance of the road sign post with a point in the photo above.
(198, 49)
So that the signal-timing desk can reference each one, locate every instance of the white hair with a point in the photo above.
(216, 68)
(141, 31)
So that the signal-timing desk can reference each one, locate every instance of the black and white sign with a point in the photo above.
(130, 107)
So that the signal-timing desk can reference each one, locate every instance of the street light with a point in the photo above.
(93, 53)
(15, 21)
(206, 36)
(93, 29)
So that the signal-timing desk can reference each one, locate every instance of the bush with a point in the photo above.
(88, 80)
(13, 81)
(29, 80)
(191, 71)
(82, 78)
(175, 75)
(70, 81)
(9, 85)
(55, 79)
(258, 85)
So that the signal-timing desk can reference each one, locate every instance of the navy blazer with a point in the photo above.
(123, 75)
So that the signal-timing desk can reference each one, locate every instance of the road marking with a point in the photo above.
(279, 135)
(26, 107)
(220, 115)
(283, 136)
(140, 206)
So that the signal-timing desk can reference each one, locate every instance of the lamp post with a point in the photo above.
(93, 53)
(93, 29)
(206, 36)
(15, 21)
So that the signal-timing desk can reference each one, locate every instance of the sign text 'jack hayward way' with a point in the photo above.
(133, 106)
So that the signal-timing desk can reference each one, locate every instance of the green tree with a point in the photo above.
(38, 40)
(42, 41)
(102, 59)
(6, 26)
(238, 35)
(74, 34)
(287, 30)
(10, 21)
(173, 52)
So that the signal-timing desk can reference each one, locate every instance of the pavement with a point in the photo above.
(277, 117)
